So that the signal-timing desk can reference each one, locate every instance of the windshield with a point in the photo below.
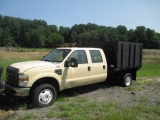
(57, 55)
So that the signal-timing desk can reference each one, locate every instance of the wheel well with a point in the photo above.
(45, 80)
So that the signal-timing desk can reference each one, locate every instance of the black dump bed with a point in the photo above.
(121, 55)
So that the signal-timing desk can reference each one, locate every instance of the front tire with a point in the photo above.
(44, 95)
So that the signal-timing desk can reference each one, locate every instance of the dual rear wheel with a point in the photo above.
(125, 79)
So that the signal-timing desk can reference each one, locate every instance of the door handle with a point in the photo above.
(104, 67)
(89, 68)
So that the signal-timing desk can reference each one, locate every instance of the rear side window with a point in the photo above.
(96, 56)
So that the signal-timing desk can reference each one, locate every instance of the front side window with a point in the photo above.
(80, 55)
(57, 55)
(96, 56)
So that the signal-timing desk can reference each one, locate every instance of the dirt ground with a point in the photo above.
(145, 89)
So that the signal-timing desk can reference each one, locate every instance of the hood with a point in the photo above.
(24, 66)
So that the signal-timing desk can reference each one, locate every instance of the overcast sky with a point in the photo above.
(130, 13)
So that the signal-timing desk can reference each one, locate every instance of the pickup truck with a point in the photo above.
(70, 67)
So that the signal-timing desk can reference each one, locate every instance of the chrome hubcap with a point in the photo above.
(128, 80)
(45, 96)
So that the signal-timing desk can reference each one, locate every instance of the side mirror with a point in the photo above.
(67, 64)
(72, 63)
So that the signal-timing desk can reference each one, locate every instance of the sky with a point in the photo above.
(129, 13)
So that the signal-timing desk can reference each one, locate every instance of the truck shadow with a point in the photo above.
(8, 103)
(86, 89)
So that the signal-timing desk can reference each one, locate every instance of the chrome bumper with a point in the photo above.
(15, 91)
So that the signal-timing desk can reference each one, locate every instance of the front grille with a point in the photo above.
(12, 76)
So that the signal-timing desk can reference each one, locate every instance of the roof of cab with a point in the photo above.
(79, 48)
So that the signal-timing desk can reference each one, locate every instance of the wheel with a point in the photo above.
(44, 95)
(126, 79)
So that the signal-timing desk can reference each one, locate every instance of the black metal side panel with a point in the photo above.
(138, 55)
(126, 55)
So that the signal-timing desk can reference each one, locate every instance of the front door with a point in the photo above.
(76, 76)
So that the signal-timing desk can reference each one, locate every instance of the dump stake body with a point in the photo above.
(70, 67)
(123, 55)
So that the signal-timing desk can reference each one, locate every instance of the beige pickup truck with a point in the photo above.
(65, 68)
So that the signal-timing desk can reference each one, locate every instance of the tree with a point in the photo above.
(140, 35)
(55, 40)
(36, 37)
(113, 34)
(122, 33)
(103, 33)
(83, 38)
(73, 37)
(5, 38)
(93, 36)
(131, 35)
(64, 31)
(152, 39)
(53, 28)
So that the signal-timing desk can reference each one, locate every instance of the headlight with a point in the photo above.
(23, 80)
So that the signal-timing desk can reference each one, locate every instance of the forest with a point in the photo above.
(18, 32)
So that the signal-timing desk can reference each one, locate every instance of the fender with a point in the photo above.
(36, 77)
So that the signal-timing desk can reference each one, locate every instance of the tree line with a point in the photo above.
(38, 34)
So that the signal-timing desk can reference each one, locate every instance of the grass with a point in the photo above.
(149, 69)
(82, 109)
(62, 98)
(7, 58)
(26, 116)
(140, 84)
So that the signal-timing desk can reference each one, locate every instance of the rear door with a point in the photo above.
(98, 66)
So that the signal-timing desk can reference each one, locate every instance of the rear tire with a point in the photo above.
(126, 79)
(44, 95)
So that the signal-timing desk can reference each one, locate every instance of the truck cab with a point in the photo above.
(61, 69)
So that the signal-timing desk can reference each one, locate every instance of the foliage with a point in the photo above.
(37, 34)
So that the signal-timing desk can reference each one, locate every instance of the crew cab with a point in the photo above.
(70, 67)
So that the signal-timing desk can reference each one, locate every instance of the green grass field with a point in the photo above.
(149, 69)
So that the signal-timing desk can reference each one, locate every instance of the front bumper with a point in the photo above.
(16, 91)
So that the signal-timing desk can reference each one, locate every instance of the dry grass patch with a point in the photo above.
(22, 55)
(5, 115)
